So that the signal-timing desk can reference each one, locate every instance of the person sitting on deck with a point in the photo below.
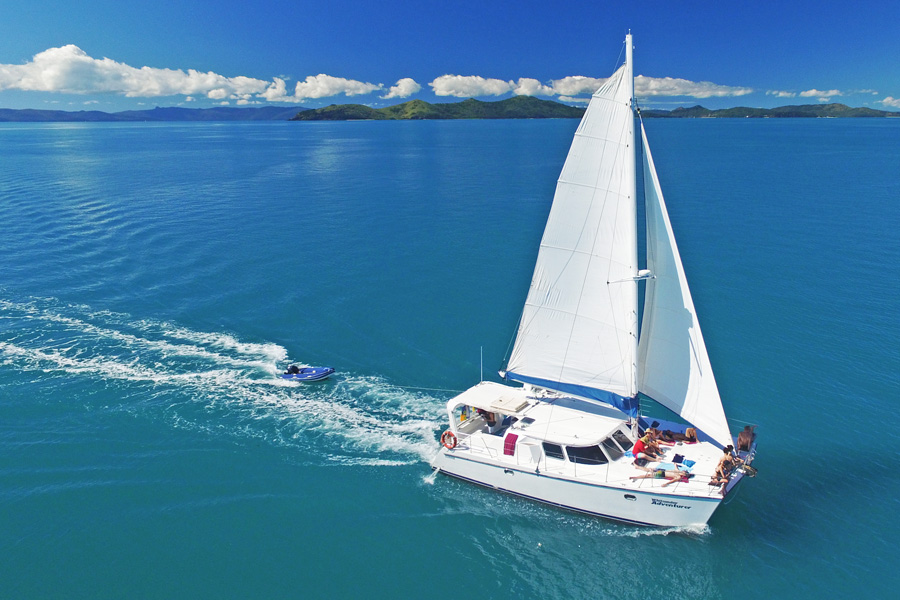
(642, 451)
(746, 437)
(671, 476)
(726, 465)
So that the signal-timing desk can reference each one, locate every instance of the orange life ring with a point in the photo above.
(448, 439)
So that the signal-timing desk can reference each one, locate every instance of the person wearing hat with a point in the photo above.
(641, 450)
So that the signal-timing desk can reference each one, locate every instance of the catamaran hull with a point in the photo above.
(611, 502)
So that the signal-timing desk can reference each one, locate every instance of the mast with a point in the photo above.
(629, 79)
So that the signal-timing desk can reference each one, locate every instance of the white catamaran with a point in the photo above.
(567, 436)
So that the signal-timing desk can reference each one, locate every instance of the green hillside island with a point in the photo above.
(792, 112)
(527, 107)
(518, 107)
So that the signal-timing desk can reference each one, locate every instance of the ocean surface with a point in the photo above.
(156, 277)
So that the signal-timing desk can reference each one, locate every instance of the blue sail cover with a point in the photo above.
(627, 405)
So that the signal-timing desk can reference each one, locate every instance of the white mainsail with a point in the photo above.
(578, 331)
(673, 365)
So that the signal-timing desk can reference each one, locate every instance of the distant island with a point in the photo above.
(789, 112)
(527, 107)
(518, 107)
(176, 113)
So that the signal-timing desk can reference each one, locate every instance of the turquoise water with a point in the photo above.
(155, 278)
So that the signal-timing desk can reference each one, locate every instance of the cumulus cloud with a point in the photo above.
(467, 86)
(781, 94)
(568, 88)
(69, 69)
(669, 86)
(531, 87)
(822, 96)
(404, 88)
(323, 86)
(891, 101)
(576, 84)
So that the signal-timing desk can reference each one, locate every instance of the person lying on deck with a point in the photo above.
(671, 476)
(688, 437)
(656, 440)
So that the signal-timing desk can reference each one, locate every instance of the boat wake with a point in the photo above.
(211, 382)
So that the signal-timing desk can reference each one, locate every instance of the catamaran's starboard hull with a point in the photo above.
(611, 502)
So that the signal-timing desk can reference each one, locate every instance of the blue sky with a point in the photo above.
(117, 55)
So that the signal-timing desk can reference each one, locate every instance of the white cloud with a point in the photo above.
(68, 69)
(822, 96)
(467, 86)
(532, 87)
(323, 86)
(891, 101)
(404, 88)
(669, 86)
(781, 94)
(276, 91)
(576, 84)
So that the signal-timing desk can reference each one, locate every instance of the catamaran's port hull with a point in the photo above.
(611, 502)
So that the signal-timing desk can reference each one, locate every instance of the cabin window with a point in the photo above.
(553, 451)
(611, 448)
(588, 455)
(623, 440)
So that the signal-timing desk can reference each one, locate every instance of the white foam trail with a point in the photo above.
(220, 384)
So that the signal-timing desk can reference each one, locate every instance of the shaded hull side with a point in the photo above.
(609, 501)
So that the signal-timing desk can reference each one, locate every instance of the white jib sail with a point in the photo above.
(579, 325)
(673, 365)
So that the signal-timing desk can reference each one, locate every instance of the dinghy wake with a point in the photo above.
(207, 381)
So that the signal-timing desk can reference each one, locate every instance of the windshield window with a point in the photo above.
(611, 448)
(590, 455)
(623, 440)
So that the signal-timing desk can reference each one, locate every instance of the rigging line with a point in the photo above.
(619, 59)
(505, 362)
